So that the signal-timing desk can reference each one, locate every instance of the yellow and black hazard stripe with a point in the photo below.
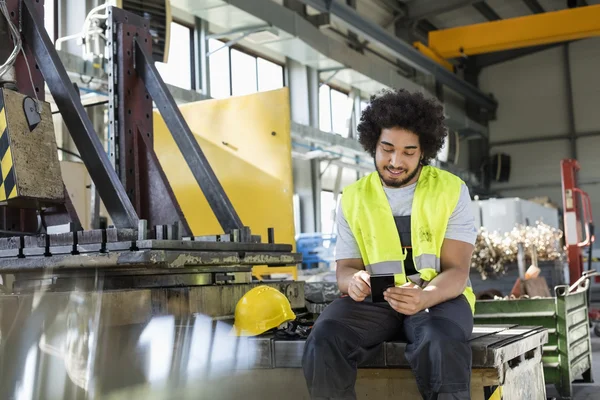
(493, 393)
(8, 187)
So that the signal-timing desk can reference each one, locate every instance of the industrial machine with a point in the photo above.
(150, 263)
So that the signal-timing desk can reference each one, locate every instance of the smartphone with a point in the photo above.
(379, 284)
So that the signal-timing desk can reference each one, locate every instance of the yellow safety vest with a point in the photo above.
(367, 210)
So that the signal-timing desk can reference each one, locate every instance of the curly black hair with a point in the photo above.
(403, 109)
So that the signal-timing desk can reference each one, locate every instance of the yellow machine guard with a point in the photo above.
(247, 141)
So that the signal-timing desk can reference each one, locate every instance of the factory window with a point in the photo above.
(328, 209)
(335, 111)
(363, 104)
(218, 64)
(178, 70)
(235, 72)
(49, 18)
(324, 108)
(243, 73)
(270, 75)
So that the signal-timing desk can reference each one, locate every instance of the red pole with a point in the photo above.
(572, 217)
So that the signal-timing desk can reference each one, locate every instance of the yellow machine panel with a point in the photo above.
(247, 141)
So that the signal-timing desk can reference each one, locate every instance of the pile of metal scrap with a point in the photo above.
(493, 251)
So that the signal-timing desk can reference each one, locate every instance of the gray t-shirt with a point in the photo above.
(461, 225)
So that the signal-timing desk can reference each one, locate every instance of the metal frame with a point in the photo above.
(18, 219)
(138, 168)
(183, 136)
(76, 119)
(404, 51)
(131, 121)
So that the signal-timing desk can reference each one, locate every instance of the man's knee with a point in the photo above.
(441, 356)
(329, 335)
(443, 336)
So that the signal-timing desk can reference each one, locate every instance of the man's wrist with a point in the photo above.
(429, 297)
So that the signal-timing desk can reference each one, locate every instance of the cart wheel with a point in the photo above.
(597, 329)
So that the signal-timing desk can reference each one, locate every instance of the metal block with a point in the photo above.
(270, 235)
(212, 246)
(9, 253)
(63, 228)
(55, 250)
(118, 246)
(9, 243)
(208, 238)
(288, 353)
(95, 236)
(34, 251)
(245, 234)
(61, 239)
(178, 230)
(121, 235)
(159, 232)
(31, 173)
(142, 230)
(224, 238)
(35, 241)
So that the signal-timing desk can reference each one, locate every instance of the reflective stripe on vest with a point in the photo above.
(367, 210)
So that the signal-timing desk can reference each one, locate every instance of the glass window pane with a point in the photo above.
(363, 104)
(270, 75)
(324, 109)
(341, 113)
(218, 64)
(178, 71)
(49, 18)
(243, 73)
(327, 211)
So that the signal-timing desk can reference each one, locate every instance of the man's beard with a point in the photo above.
(396, 183)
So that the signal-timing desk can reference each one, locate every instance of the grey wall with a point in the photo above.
(533, 95)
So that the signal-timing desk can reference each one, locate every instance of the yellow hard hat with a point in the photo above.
(261, 309)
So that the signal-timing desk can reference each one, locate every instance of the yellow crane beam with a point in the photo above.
(513, 33)
(433, 55)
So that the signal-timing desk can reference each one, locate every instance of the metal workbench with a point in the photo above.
(506, 360)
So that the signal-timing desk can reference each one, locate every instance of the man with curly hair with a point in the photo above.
(406, 234)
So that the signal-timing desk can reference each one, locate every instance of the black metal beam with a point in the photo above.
(417, 10)
(487, 11)
(183, 136)
(426, 26)
(77, 121)
(403, 51)
(534, 6)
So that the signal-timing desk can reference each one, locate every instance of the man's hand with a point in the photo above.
(359, 286)
(407, 299)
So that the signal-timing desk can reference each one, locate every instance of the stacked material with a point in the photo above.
(493, 251)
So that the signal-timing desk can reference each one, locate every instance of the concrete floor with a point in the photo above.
(588, 391)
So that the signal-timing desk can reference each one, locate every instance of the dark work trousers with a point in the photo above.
(346, 332)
